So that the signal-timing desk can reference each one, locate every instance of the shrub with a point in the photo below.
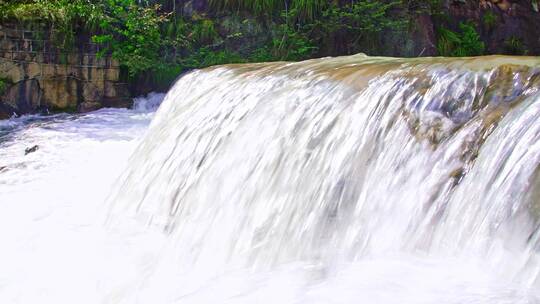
(466, 43)
(471, 44)
(63, 16)
(132, 34)
(291, 41)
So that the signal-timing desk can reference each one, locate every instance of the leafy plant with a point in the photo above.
(291, 40)
(448, 41)
(465, 43)
(471, 44)
(132, 34)
(64, 17)
(514, 46)
(357, 26)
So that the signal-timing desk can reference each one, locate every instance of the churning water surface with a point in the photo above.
(338, 180)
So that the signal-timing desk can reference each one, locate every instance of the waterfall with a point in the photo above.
(336, 180)
(354, 168)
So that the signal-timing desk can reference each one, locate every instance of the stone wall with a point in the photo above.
(506, 26)
(41, 77)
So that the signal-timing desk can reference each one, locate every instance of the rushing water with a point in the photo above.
(339, 180)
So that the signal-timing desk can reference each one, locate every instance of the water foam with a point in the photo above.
(341, 180)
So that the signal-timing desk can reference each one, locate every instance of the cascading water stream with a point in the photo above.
(341, 160)
(336, 180)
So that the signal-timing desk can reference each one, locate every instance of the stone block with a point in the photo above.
(112, 74)
(33, 70)
(61, 93)
(11, 70)
(91, 93)
(73, 59)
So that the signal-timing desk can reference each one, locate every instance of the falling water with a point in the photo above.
(338, 180)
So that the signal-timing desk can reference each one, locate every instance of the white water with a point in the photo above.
(330, 181)
(55, 248)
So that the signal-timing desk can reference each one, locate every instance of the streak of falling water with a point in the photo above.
(337, 180)
(371, 171)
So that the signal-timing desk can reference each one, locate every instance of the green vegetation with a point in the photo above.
(257, 7)
(144, 37)
(460, 44)
(306, 9)
(132, 35)
(4, 84)
(152, 39)
(490, 20)
(514, 46)
(64, 17)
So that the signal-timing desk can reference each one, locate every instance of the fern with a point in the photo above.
(466, 43)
